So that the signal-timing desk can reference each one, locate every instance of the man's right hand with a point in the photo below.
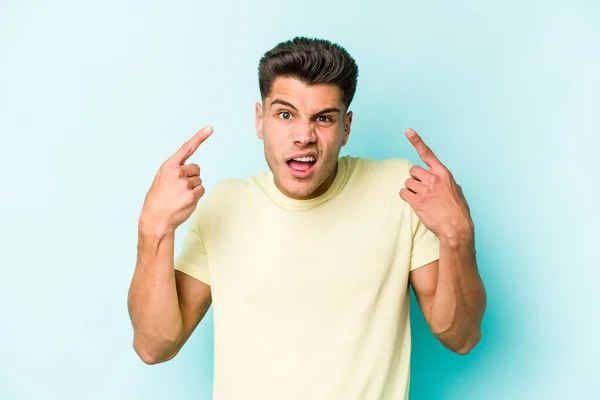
(176, 189)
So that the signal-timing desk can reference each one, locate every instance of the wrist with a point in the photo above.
(147, 227)
(458, 237)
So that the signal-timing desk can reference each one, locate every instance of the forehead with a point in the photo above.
(305, 97)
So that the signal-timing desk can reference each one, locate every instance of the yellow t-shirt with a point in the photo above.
(310, 297)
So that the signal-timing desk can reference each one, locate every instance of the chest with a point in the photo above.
(322, 258)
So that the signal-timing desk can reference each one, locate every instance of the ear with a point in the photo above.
(347, 123)
(258, 121)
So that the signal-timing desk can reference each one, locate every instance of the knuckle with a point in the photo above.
(434, 179)
(187, 148)
(164, 166)
(418, 201)
(183, 183)
(445, 173)
(197, 193)
(189, 197)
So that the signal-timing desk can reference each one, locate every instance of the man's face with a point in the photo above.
(295, 120)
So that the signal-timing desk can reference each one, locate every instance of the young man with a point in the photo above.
(307, 265)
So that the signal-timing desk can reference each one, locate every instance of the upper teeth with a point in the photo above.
(305, 159)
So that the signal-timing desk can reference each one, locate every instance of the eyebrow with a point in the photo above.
(285, 103)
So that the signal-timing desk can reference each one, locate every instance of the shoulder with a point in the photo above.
(232, 184)
(391, 168)
(239, 185)
(238, 190)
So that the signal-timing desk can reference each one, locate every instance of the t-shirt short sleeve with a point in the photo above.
(425, 245)
(193, 258)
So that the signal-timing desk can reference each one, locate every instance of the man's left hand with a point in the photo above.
(435, 197)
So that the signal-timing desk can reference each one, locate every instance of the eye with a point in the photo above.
(285, 115)
(323, 118)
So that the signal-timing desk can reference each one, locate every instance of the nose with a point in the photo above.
(304, 134)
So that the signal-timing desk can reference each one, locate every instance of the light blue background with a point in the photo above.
(95, 95)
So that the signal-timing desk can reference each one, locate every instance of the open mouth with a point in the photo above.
(301, 167)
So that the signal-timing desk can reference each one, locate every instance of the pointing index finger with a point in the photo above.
(189, 147)
(424, 151)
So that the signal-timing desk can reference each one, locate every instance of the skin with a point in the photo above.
(292, 121)
(449, 291)
(165, 305)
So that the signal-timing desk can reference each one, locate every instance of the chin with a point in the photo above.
(302, 194)
(299, 188)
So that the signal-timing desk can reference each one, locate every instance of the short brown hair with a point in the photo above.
(312, 61)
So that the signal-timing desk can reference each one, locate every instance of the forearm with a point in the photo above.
(460, 300)
(152, 301)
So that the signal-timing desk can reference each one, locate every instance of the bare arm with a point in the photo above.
(451, 296)
(449, 291)
(166, 305)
